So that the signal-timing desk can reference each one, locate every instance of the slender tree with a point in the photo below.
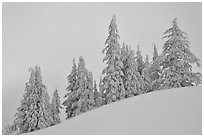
(97, 96)
(147, 61)
(113, 87)
(154, 68)
(71, 96)
(155, 53)
(56, 106)
(139, 60)
(101, 88)
(146, 75)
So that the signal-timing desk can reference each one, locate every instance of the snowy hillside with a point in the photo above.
(174, 111)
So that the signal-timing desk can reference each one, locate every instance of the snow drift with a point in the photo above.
(173, 111)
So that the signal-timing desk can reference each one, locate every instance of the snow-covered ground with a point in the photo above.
(174, 111)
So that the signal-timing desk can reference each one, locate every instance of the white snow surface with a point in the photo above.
(172, 111)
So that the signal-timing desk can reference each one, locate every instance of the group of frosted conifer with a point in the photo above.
(126, 75)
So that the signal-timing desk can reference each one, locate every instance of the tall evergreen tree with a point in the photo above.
(72, 95)
(139, 60)
(56, 106)
(113, 87)
(35, 110)
(176, 60)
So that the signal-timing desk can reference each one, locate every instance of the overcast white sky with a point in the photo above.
(52, 34)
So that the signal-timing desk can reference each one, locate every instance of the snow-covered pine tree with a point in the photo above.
(101, 89)
(176, 60)
(133, 83)
(97, 96)
(147, 61)
(56, 106)
(146, 75)
(154, 68)
(72, 95)
(85, 90)
(139, 60)
(124, 51)
(80, 95)
(113, 87)
(72, 79)
(95, 90)
(89, 103)
(9, 130)
(35, 110)
(155, 53)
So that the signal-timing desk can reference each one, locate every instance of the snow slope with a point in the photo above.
(174, 111)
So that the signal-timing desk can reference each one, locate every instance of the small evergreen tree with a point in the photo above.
(97, 96)
(124, 52)
(80, 99)
(154, 68)
(176, 60)
(95, 88)
(35, 110)
(155, 53)
(147, 61)
(101, 89)
(87, 97)
(72, 78)
(9, 130)
(146, 75)
(133, 83)
(56, 106)
(113, 87)
(139, 60)
(85, 100)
